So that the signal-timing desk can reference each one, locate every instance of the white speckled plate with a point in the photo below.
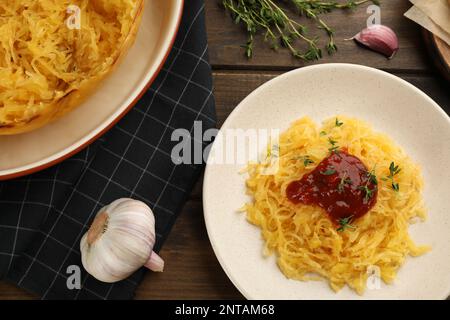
(392, 106)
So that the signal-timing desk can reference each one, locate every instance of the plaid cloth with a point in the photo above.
(43, 216)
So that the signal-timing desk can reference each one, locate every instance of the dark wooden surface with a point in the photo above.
(192, 271)
(439, 52)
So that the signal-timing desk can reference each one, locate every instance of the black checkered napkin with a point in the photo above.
(43, 216)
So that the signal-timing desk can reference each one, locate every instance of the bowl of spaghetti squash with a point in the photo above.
(70, 69)
(316, 191)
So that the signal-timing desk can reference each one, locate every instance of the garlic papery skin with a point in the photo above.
(120, 241)
(379, 38)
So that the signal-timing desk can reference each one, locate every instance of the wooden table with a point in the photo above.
(192, 271)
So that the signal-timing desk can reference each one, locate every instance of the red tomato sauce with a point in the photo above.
(341, 185)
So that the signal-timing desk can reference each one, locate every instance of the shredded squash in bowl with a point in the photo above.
(308, 244)
(47, 66)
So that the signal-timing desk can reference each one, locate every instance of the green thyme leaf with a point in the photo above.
(328, 172)
(345, 223)
(396, 187)
(307, 161)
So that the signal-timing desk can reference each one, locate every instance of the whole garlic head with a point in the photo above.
(120, 241)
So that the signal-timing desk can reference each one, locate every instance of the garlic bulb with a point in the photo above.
(120, 241)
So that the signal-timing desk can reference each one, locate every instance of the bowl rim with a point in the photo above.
(106, 125)
(207, 173)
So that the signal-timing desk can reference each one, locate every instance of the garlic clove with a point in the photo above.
(379, 38)
(155, 263)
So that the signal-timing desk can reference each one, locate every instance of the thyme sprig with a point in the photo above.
(334, 146)
(368, 193)
(277, 27)
(345, 223)
(393, 171)
(306, 160)
(344, 180)
(371, 178)
(268, 17)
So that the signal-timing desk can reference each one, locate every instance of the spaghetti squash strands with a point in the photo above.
(307, 243)
(53, 53)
